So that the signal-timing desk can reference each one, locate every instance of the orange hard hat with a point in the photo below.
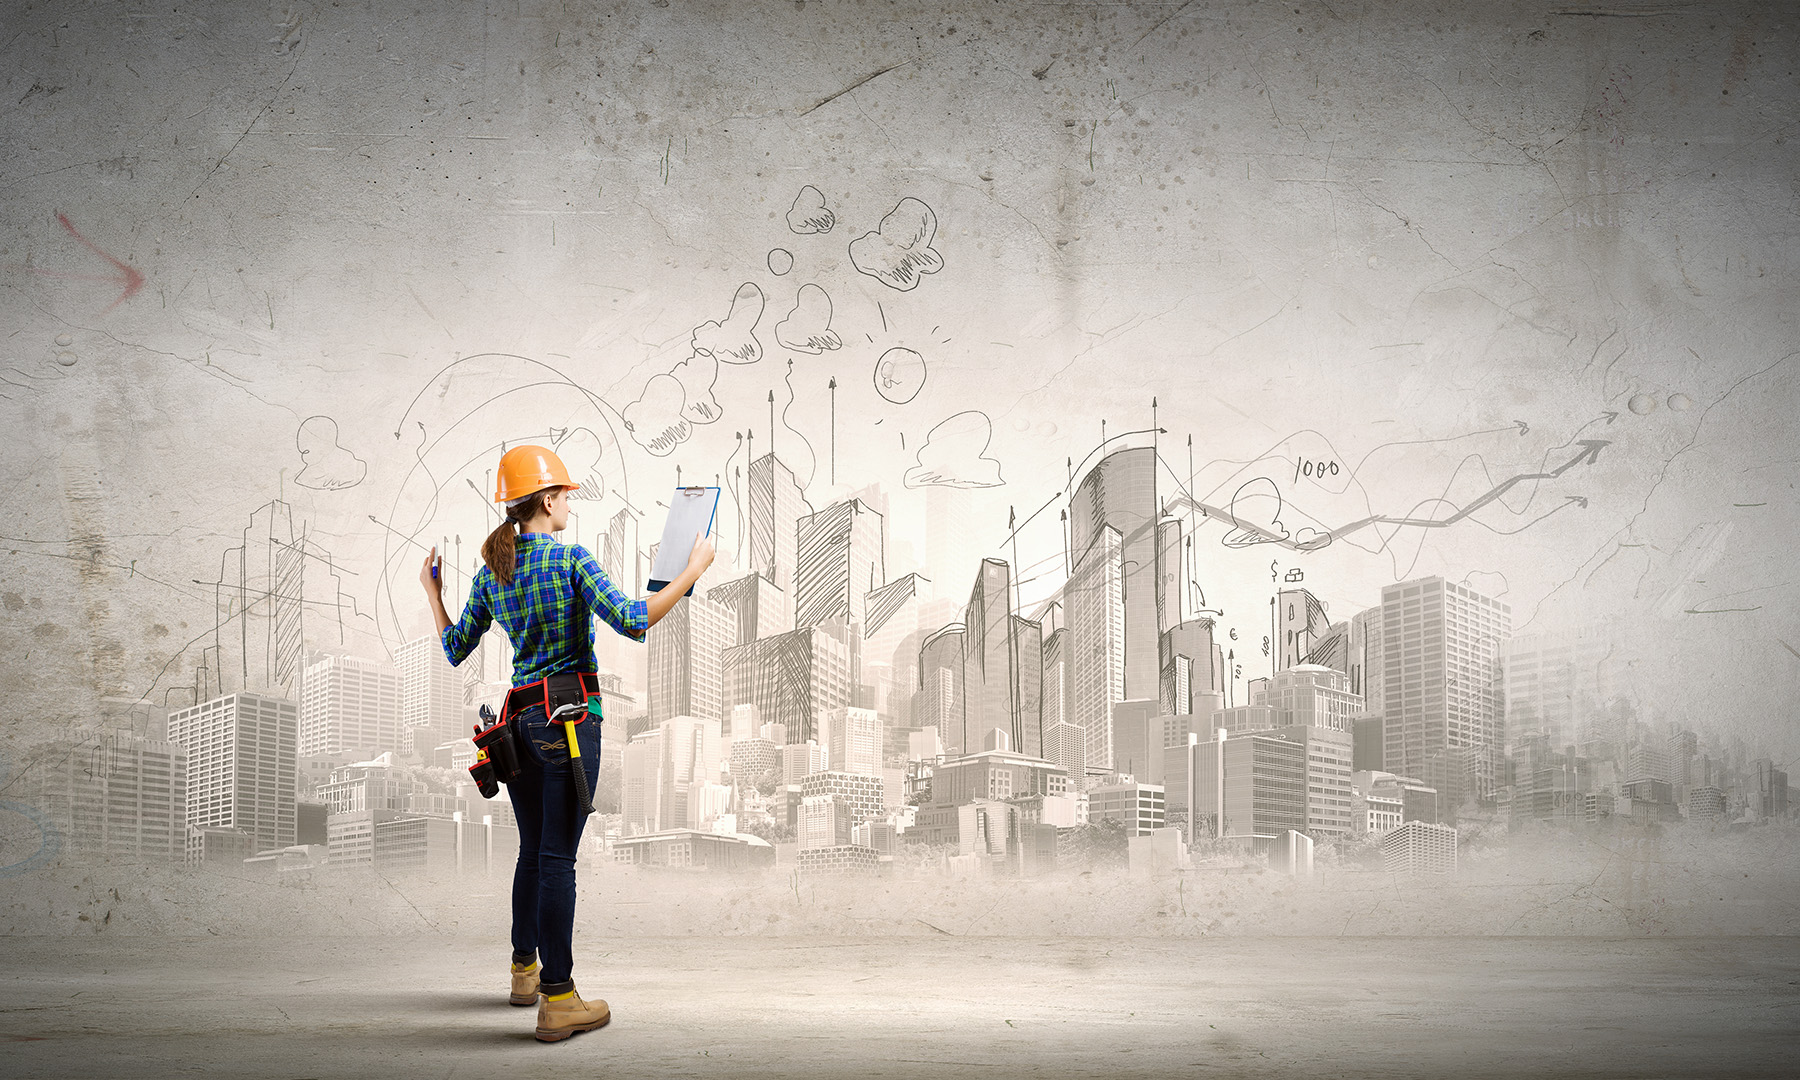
(528, 469)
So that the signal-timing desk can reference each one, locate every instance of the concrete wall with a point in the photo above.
(334, 255)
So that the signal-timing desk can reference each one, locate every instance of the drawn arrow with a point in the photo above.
(1590, 452)
(832, 386)
(128, 279)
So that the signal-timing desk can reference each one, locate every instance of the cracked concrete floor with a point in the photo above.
(434, 1006)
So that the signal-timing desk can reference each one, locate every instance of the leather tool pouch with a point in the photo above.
(569, 688)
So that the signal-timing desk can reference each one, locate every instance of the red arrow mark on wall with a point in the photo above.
(128, 279)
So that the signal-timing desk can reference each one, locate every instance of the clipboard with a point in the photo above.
(691, 511)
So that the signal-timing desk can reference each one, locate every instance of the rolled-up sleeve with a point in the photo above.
(461, 637)
(629, 617)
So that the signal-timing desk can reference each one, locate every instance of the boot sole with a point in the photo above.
(560, 1034)
(514, 999)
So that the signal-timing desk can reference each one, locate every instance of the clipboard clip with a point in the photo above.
(690, 492)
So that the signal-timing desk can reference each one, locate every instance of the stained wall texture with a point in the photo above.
(280, 281)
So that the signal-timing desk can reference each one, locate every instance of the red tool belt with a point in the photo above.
(500, 752)
(552, 692)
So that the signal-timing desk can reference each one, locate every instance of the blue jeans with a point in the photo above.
(545, 803)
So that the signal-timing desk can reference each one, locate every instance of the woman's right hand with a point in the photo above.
(430, 575)
(701, 557)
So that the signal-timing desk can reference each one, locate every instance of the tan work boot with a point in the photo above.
(524, 985)
(562, 1015)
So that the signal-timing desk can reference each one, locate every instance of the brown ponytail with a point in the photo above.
(497, 551)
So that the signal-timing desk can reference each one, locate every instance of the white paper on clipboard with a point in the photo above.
(691, 512)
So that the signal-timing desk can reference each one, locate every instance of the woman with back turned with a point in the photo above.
(546, 594)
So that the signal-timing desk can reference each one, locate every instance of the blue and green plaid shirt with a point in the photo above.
(547, 610)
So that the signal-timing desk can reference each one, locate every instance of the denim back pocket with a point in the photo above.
(550, 740)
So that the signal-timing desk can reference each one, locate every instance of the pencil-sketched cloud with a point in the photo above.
(954, 454)
(807, 328)
(899, 251)
(582, 451)
(697, 374)
(326, 466)
(1257, 507)
(809, 215)
(733, 341)
(655, 419)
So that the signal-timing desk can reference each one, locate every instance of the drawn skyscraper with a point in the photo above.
(1441, 686)
(757, 607)
(1114, 594)
(1003, 665)
(839, 558)
(349, 705)
(777, 503)
(685, 649)
(1094, 596)
(791, 678)
(940, 702)
(1187, 651)
(1301, 625)
(890, 654)
(240, 751)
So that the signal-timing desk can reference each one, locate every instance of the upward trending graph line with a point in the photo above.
(1590, 452)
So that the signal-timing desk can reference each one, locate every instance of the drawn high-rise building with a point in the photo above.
(1187, 663)
(890, 651)
(686, 677)
(1003, 672)
(431, 697)
(840, 557)
(1119, 493)
(1172, 574)
(349, 705)
(241, 751)
(1441, 686)
(776, 504)
(757, 607)
(1365, 668)
(940, 700)
(1300, 622)
(791, 678)
(1094, 598)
